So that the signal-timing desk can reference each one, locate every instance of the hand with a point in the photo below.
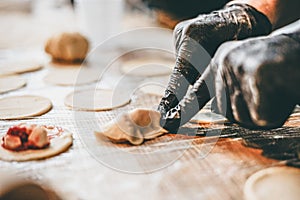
(260, 78)
(255, 82)
(195, 37)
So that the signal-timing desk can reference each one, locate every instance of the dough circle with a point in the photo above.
(71, 76)
(156, 90)
(58, 145)
(95, 100)
(146, 68)
(21, 107)
(154, 86)
(208, 117)
(19, 67)
(273, 183)
(10, 83)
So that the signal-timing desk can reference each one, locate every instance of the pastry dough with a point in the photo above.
(58, 144)
(10, 83)
(147, 67)
(95, 100)
(273, 183)
(134, 126)
(21, 107)
(19, 67)
(67, 47)
(69, 76)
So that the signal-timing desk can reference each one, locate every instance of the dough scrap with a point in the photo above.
(19, 67)
(273, 183)
(10, 83)
(95, 100)
(134, 127)
(69, 76)
(57, 145)
(67, 47)
(21, 107)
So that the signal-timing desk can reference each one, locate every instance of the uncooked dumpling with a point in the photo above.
(67, 47)
(134, 126)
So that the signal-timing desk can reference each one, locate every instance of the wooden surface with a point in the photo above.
(214, 165)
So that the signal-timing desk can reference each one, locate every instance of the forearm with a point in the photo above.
(279, 12)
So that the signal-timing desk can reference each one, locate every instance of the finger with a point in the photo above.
(178, 34)
(238, 110)
(196, 99)
(191, 61)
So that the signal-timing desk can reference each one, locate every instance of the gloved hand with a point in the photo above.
(195, 37)
(255, 82)
(261, 79)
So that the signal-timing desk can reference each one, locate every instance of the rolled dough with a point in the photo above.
(155, 85)
(9, 83)
(19, 67)
(71, 76)
(147, 67)
(58, 145)
(21, 107)
(273, 183)
(95, 100)
(208, 117)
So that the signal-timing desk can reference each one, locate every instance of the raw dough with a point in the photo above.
(154, 86)
(67, 47)
(21, 107)
(134, 126)
(273, 183)
(9, 83)
(95, 100)
(208, 117)
(147, 67)
(58, 145)
(154, 89)
(19, 67)
(69, 76)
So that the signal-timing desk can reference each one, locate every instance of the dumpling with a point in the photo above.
(134, 126)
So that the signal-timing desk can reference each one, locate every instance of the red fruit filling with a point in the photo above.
(17, 138)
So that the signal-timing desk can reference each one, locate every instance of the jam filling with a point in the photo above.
(23, 133)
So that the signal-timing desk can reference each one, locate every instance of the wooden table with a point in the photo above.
(169, 167)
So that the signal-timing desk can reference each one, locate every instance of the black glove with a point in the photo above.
(255, 81)
(237, 21)
(261, 79)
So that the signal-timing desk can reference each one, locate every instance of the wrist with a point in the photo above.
(266, 7)
(251, 22)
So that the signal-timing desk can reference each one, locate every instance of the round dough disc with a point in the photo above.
(9, 68)
(147, 67)
(208, 117)
(71, 76)
(273, 183)
(9, 83)
(58, 145)
(21, 107)
(155, 85)
(95, 100)
(157, 90)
